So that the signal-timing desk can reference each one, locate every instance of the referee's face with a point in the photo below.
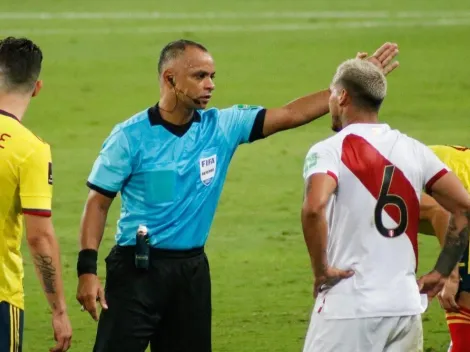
(195, 77)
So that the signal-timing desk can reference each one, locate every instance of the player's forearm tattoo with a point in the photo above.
(47, 270)
(455, 244)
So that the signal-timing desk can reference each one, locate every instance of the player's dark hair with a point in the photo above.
(359, 96)
(20, 64)
(174, 49)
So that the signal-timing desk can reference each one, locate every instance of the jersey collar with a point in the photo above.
(156, 118)
(362, 126)
(6, 113)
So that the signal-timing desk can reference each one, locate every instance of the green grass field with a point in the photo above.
(101, 69)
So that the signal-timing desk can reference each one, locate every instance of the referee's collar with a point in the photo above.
(156, 118)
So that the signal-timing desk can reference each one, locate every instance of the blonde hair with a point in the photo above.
(364, 82)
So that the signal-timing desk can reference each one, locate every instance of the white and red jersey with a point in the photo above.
(373, 218)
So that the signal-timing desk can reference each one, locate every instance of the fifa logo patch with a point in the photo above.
(207, 167)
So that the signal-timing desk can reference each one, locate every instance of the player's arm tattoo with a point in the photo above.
(456, 241)
(46, 268)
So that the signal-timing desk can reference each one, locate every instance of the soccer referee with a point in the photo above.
(169, 162)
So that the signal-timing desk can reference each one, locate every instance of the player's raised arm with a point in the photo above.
(310, 107)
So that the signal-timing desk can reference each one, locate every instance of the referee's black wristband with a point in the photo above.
(87, 262)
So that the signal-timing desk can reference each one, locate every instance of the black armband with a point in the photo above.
(258, 125)
(87, 262)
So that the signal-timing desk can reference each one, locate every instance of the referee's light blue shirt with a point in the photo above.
(171, 177)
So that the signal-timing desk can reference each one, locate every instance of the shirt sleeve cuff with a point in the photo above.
(327, 172)
(258, 125)
(38, 212)
(104, 192)
(333, 175)
(434, 179)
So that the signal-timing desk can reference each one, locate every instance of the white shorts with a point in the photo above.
(382, 334)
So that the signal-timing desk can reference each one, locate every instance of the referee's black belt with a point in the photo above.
(159, 253)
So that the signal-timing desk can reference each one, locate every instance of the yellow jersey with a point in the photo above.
(457, 158)
(25, 188)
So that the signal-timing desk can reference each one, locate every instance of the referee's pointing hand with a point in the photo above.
(88, 292)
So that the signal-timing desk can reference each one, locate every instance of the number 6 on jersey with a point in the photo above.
(385, 199)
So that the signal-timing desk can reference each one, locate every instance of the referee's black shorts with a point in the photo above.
(168, 306)
(11, 328)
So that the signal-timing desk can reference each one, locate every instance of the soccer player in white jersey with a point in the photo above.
(360, 220)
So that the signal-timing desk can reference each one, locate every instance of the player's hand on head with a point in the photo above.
(329, 278)
(62, 332)
(382, 57)
(89, 292)
(431, 284)
(447, 297)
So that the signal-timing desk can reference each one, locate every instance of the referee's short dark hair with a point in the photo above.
(20, 64)
(173, 49)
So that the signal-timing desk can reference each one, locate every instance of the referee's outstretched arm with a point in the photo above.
(310, 107)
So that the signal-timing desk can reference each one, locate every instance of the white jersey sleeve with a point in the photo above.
(322, 158)
(433, 168)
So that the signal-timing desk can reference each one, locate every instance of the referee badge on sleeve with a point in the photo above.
(207, 167)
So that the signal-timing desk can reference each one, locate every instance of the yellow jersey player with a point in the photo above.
(25, 195)
(455, 297)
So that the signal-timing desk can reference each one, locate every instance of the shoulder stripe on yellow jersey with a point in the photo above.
(459, 147)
